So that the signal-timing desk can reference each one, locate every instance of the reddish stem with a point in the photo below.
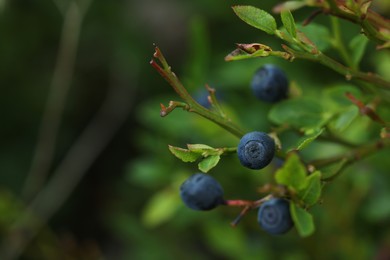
(239, 203)
(365, 110)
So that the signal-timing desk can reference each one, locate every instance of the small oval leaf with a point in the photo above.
(298, 112)
(303, 220)
(289, 23)
(199, 148)
(208, 163)
(306, 140)
(184, 154)
(311, 193)
(256, 17)
(292, 173)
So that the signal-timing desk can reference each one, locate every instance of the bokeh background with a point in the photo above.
(85, 172)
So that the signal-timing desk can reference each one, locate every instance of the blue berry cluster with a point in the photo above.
(255, 151)
(202, 192)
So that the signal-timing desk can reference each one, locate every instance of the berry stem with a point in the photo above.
(247, 204)
(237, 220)
(366, 110)
(239, 203)
(190, 104)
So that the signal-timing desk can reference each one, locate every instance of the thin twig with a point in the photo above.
(190, 104)
(349, 73)
(350, 157)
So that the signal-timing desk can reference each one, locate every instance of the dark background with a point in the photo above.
(126, 204)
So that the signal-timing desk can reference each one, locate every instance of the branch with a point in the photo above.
(190, 104)
(348, 73)
(366, 110)
(350, 157)
(247, 204)
(371, 22)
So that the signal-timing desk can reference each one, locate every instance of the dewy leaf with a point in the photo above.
(208, 163)
(298, 112)
(309, 138)
(302, 219)
(289, 23)
(184, 154)
(292, 173)
(256, 17)
(311, 193)
(357, 46)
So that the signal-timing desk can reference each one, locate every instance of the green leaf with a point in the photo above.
(256, 17)
(357, 46)
(292, 173)
(318, 34)
(204, 150)
(336, 98)
(160, 208)
(299, 113)
(309, 138)
(289, 23)
(208, 163)
(199, 148)
(345, 118)
(311, 193)
(302, 219)
(184, 154)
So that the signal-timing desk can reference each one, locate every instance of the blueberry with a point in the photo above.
(274, 216)
(270, 84)
(202, 95)
(256, 150)
(201, 192)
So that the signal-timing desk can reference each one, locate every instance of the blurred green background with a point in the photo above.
(114, 194)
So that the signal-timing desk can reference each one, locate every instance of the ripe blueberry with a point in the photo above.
(256, 150)
(270, 84)
(274, 216)
(201, 192)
